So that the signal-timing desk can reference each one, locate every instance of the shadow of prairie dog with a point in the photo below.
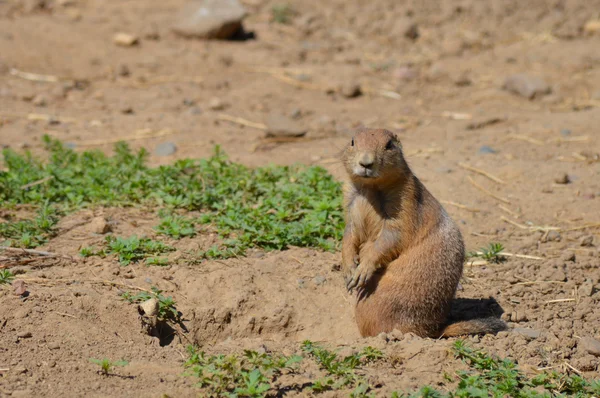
(401, 251)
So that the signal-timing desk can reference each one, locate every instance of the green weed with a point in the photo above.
(249, 375)
(166, 305)
(32, 233)
(106, 364)
(492, 253)
(133, 249)
(6, 276)
(176, 226)
(271, 207)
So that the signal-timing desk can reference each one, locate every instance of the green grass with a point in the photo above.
(492, 253)
(6, 277)
(271, 207)
(489, 376)
(106, 364)
(167, 311)
(130, 250)
(176, 226)
(283, 13)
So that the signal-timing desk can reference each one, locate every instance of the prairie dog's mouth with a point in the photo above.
(364, 172)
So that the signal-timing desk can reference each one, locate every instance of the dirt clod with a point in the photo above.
(590, 345)
(527, 86)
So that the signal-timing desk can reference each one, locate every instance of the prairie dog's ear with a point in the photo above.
(398, 143)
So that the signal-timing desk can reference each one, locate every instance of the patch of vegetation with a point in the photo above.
(32, 233)
(176, 226)
(283, 13)
(492, 253)
(106, 364)
(6, 277)
(166, 305)
(131, 250)
(270, 207)
(341, 371)
(249, 375)
(492, 377)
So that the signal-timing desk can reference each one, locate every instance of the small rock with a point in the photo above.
(54, 345)
(301, 283)
(351, 90)
(407, 28)
(586, 289)
(123, 70)
(210, 19)
(165, 149)
(592, 26)
(463, 80)
(486, 150)
(562, 179)
(149, 307)
(279, 125)
(19, 287)
(518, 317)
(553, 236)
(127, 110)
(590, 345)
(565, 132)
(405, 73)
(125, 39)
(527, 333)
(527, 86)
(40, 100)
(568, 256)
(99, 225)
(588, 363)
(216, 104)
(24, 335)
(587, 241)
(319, 280)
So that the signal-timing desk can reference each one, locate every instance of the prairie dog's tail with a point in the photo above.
(474, 326)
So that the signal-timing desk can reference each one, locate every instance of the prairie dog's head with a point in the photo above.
(374, 156)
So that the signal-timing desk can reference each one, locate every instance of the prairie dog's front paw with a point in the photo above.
(362, 274)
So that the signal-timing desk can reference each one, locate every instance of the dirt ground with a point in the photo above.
(441, 93)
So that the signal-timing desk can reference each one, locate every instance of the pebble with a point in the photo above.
(486, 150)
(301, 283)
(592, 26)
(405, 73)
(54, 345)
(587, 241)
(528, 333)
(568, 256)
(279, 125)
(123, 70)
(590, 345)
(99, 225)
(319, 280)
(565, 132)
(149, 307)
(527, 86)
(165, 149)
(562, 179)
(40, 100)
(24, 335)
(407, 28)
(351, 90)
(553, 236)
(125, 39)
(518, 317)
(210, 19)
(216, 104)
(586, 289)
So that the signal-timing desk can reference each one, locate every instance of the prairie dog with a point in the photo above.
(401, 250)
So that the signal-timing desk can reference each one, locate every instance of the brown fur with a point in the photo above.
(400, 250)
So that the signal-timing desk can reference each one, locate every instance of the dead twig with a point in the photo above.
(96, 281)
(596, 225)
(38, 182)
(460, 206)
(509, 211)
(482, 189)
(34, 252)
(559, 301)
(241, 121)
(482, 172)
(33, 76)
(526, 139)
(69, 315)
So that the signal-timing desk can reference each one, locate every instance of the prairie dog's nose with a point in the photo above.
(366, 160)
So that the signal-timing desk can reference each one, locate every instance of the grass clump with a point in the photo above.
(270, 207)
(176, 226)
(29, 234)
(131, 250)
(106, 364)
(166, 305)
(341, 372)
(492, 253)
(248, 375)
(6, 277)
(489, 376)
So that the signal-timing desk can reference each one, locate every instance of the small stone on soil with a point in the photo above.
(486, 150)
(351, 90)
(527, 86)
(590, 345)
(24, 335)
(216, 104)
(587, 241)
(562, 179)
(54, 346)
(210, 19)
(99, 225)
(165, 149)
(279, 125)
(125, 39)
(149, 307)
(40, 100)
(527, 333)
(592, 26)
(568, 256)
(319, 280)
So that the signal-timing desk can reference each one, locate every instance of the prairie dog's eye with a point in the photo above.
(390, 145)
(352, 143)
